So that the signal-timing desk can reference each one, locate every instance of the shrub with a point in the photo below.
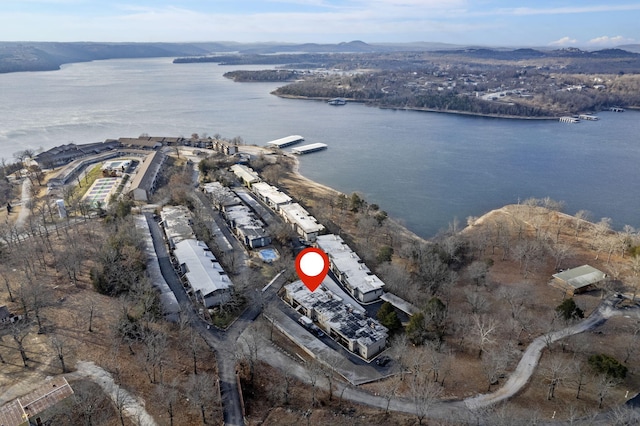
(569, 310)
(608, 365)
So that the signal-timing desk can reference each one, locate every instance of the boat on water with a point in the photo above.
(337, 101)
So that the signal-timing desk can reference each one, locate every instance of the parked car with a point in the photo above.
(382, 361)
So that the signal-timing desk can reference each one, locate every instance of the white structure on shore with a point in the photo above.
(349, 327)
(350, 270)
(286, 141)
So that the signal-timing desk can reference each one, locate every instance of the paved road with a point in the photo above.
(223, 343)
(223, 347)
(529, 361)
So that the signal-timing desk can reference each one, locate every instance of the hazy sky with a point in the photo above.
(586, 23)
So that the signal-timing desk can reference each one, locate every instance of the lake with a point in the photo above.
(422, 168)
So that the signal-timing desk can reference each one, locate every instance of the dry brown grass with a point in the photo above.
(66, 315)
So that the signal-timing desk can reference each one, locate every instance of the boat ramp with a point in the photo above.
(306, 149)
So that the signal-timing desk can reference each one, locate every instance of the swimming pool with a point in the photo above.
(268, 255)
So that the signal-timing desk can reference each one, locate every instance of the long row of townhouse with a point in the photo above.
(249, 229)
(346, 265)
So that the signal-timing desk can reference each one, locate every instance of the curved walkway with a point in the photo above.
(456, 409)
(529, 361)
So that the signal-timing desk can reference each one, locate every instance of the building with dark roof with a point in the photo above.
(348, 326)
(146, 178)
(64, 154)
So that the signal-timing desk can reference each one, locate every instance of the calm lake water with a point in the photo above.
(423, 168)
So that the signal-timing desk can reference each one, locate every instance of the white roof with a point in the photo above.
(295, 213)
(203, 271)
(349, 263)
(271, 193)
(221, 194)
(308, 148)
(245, 173)
(177, 222)
(289, 140)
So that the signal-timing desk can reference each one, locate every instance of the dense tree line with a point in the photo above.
(264, 75)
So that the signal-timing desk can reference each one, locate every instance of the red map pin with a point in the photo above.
(312, 265)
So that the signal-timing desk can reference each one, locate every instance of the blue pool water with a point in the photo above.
(268, 255)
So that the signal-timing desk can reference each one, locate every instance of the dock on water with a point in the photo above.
(306, 149)
(588, 117)
(570, 120)
(284, 142)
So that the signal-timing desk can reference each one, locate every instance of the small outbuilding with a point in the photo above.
(578, 280)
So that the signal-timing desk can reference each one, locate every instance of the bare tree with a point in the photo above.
(249, 345)
(390, 388)
(580, 218)
(494, 365)
(478, 271)
(604, 384)
(203, 393)
(168, 396)
(314, 372)
(477, 301)
(155, 345)
(579, 375)
(91, 310)
(554, 373)
(19, 331)
(424, 393)
(61, 347)
(485, 327)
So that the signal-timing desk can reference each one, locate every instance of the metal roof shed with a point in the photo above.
(578, 280)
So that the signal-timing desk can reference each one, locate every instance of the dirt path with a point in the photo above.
(132, 407)
(24, 209)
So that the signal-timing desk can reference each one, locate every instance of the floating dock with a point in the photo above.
(284, 142)
(616, 109)
(588, 117)
(306, 149)
(570, 120)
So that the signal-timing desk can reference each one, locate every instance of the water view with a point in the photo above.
(423, 168)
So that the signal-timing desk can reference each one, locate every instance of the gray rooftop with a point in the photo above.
(581, 276)
(331, 310)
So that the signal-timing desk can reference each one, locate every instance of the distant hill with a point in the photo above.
(40, 56)
(44, 56)
(631, 48)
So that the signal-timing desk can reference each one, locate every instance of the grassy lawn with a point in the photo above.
(87, 181)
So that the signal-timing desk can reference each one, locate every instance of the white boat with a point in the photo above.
(337, 101)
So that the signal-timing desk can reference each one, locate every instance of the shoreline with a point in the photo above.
(417, 109)
(297, 176)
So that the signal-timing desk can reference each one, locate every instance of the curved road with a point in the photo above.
(224, 344)
(459, 410)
